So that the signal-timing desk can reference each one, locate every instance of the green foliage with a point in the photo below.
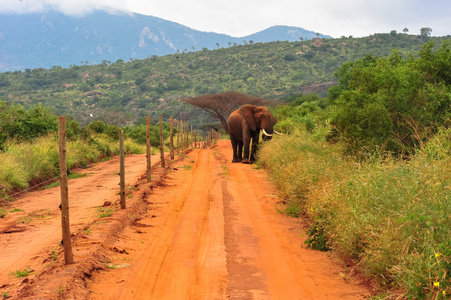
(122, 93)
(26, 164)
(138, 133)
(102, 127)
(3, 212)
(317, 238)
(303, 112)
(104, 212)
(20, 273)
(393, 104)
(54, 254)
(389, 215)
(20, 124)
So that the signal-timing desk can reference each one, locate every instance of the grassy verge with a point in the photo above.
(392, 218)
(27, 164)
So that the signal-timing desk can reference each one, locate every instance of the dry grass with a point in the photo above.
(27, 164)
(392, 217)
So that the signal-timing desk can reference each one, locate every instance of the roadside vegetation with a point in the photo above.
(29, 145)
(367, 163)
(122, 93)
(369, 168)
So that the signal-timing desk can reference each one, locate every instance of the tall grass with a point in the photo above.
(392, 217)
(26, 164)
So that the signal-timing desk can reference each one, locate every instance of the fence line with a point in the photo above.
(180, 144)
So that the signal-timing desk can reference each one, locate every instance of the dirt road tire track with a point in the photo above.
(217, 235)
(207, 229)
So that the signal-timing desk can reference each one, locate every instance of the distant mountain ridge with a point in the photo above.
(53, 39)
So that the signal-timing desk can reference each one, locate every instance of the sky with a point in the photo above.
(239, 18)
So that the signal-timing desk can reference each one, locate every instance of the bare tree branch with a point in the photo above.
(220, 106)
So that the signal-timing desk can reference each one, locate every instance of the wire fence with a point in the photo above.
(201, 141)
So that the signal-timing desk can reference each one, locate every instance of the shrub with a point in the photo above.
(22, 125)
(389, 215)
(393, 104)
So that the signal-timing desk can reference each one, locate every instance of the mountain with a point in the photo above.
(53, 39)
(283, 33)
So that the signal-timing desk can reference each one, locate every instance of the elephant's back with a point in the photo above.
(235, 115)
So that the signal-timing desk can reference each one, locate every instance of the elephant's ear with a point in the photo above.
(247, 112)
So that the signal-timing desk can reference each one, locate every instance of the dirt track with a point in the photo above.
(203, 229)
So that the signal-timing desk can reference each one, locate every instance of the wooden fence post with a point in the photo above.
(178, 135)
(65, 224)
(172, 137)
(192, 136)
(161, 142)
(148, 155)
(186, 132)
(122, 168)
(195, 138)
(183, 134)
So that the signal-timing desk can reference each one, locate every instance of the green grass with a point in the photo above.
(54, 254)
(21, 273)
(3, 212)
(224, 171)
(391, 217)
(186, 167)
(27, 164)
(104, 212)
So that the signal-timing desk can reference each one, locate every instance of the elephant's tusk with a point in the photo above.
(265, 133)
(278, 133)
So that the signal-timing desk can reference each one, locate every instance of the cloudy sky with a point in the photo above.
(243, 17)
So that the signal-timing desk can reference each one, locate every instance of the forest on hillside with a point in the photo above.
(122, 93)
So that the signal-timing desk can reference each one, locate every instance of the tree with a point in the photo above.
(425, 32)
(393, 104)
(220, 106)
(405, 30)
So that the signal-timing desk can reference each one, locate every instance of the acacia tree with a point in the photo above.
(425, 32)
(220, 106)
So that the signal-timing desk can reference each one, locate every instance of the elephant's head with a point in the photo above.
(259, 117)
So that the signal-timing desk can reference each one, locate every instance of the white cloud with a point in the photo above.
(240, 18)
(68, 7)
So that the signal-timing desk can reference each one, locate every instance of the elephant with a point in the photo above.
(244, 125)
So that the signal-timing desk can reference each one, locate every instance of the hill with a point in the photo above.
(52, 39)
(123, 93)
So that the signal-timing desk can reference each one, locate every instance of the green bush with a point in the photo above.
(102, 127)
(393, 104)
(24, 125)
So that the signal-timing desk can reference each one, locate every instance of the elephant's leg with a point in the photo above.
(240, 151)
(246, 152)
(234, 149)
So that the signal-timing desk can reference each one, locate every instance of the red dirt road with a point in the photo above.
(203, 229)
